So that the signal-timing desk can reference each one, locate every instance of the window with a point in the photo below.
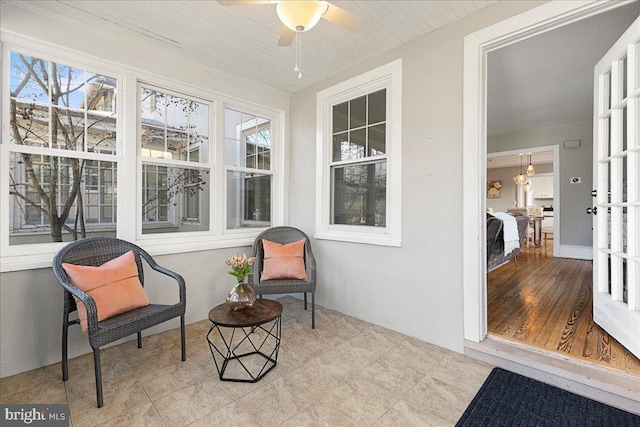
(359, 164)
(174, 146)
(360, 141)
(62, 146)
(248, 169)
(78, 159)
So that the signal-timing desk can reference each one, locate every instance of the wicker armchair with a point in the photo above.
(284, 235)
(95, 251)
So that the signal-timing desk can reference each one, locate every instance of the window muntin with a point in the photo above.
(56, 109)
(247, 155)
(174, 135)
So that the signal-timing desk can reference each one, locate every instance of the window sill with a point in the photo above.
(368, 239)
(45, 259)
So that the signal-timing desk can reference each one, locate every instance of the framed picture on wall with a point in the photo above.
(494, 189)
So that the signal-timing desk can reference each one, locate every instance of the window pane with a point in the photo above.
(177, 114)
(177, 145)
(69, 126)
(33, 124)
(377, 107)
(341, 146)
(101, 134)
(174, 199)
(232, 123)
(358, 113)
(69, 88)
(152, 106)
(353, 148)
(248, 200)
(101, 94)
(27, 78)
(340, 117)
(377, 140)
(76, 188)
(199, 119)
(359, 194)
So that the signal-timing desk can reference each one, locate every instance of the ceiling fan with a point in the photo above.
(300, 16)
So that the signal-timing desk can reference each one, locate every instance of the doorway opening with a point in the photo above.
(478, 47)
(543, 302)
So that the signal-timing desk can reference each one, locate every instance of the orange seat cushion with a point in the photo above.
(283, 261)
(114, 286)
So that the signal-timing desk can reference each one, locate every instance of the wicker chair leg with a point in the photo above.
(65, 353)
(305, 300)
(313, 310)
(139, 339)
(182, 339)
(96, 364)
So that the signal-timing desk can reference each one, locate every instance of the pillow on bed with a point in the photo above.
(114, 286)
(283, 261)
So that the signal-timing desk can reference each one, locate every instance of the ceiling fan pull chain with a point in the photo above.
(298, 67)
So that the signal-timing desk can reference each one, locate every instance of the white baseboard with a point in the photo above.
(576, 252)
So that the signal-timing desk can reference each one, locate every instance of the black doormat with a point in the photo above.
(508, 399)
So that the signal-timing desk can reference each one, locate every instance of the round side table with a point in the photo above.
(245, 342)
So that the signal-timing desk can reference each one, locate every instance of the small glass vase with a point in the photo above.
(242, 297)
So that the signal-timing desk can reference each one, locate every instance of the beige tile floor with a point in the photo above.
(346, 372)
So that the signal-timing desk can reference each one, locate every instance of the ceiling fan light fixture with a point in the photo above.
(301, 16)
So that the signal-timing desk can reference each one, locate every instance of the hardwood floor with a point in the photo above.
(547, 302)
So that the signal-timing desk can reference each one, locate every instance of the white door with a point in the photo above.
(616, 222)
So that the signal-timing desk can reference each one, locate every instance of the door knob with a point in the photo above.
(593, 210)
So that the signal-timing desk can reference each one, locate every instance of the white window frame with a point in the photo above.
(275, 171)
(389, 77)
(37, 255)
(128, 161)
(175, 214)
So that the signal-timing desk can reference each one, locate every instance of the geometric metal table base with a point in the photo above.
(245, 345)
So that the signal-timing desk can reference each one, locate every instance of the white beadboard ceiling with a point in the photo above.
(243, 39)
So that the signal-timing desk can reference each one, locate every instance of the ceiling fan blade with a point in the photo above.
(342, 18)
(286, 36)
(242, 2)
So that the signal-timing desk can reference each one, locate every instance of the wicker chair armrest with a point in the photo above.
(310, 263)
(154, 265)
(88, 302)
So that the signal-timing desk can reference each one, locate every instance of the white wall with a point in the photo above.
(31, 301)
(574, 198)
(415, 289)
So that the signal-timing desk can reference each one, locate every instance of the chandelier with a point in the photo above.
(530, 169)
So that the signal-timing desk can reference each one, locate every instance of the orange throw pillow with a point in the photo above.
(114, 286)
(283, 261)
